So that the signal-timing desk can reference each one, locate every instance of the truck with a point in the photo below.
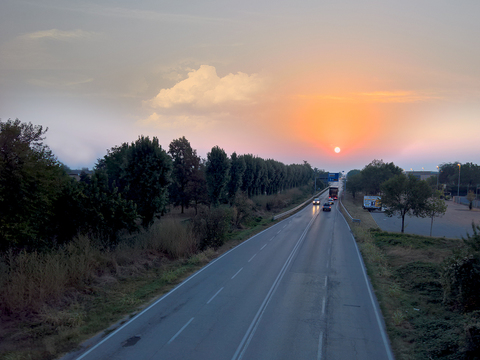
(333, 192)
(372, 203)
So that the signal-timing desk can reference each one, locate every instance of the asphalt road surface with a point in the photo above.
(456, 222)
(298, 290)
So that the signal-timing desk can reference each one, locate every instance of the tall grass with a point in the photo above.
(29, 281)
(170, 237)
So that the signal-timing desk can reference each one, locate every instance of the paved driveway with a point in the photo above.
(456, 222)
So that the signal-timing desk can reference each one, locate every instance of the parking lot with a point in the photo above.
(456, 222)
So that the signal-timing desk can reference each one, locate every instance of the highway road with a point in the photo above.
(298, 290)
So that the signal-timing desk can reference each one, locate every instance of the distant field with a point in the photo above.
(405, 272)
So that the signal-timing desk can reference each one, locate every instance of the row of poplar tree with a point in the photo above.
(41, 206)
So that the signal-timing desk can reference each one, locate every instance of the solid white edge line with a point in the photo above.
(376, 311)
(213, 297)
(179, 331)
(174, 289)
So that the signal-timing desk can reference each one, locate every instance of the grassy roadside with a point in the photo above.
(63, 311)
(405, 271)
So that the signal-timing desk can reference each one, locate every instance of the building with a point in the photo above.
(422, 175)
(76, 173)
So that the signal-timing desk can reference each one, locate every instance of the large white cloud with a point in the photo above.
(203, 88)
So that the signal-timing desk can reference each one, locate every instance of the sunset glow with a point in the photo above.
(395, 82)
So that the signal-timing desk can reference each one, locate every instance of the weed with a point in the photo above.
(398, 317)
(406, 273)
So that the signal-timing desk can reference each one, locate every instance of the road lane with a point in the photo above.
(266, 299)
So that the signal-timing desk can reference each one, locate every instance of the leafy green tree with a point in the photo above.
(217, 174)
(237, 168)
(142, 172)
(185, 163)
(354, 183)
(435, 207)
(402, 195)
(376, 173)
(353, 172)
(260, 181)
(469, 176)
(105, 213)
(197, 188)
(31, 179)
(248, 178)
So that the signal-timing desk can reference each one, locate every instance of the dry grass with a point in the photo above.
(354, 207)
(405, 273)
(50, 302)
(52, 293)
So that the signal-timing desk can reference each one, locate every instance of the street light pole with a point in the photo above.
(458, 189)
(438, 175)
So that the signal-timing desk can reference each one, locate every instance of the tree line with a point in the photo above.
(469, 177)
(131, 186)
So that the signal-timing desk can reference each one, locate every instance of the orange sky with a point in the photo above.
(289, 81)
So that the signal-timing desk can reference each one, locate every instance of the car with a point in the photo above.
(327, 207)
(316, 201)
(330, 201)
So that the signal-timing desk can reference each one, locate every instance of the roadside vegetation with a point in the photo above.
(428, 288)
(77, 256)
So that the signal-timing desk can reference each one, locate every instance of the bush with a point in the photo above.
(461, 274)
(242, 210)
(461, 281)
(211, 227)
(171, 237)
(472, 336)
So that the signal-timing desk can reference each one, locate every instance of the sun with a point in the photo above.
(337, 149)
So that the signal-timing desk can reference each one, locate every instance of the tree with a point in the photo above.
(217, 174)
(354, 183)
(470, 176)
(31, 179)
(435, 207)
(470, 197)
(185, 163)
(197, 188)
(237, 168)
(402, 195)
(142, 172)
(248, 175)
(376, 173)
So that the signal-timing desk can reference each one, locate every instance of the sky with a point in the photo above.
(286, 80)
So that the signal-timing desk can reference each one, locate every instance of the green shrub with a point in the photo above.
(211, 227)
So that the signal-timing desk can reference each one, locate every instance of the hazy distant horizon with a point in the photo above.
(283, 80)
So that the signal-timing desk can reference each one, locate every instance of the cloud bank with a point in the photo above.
(203, 88)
